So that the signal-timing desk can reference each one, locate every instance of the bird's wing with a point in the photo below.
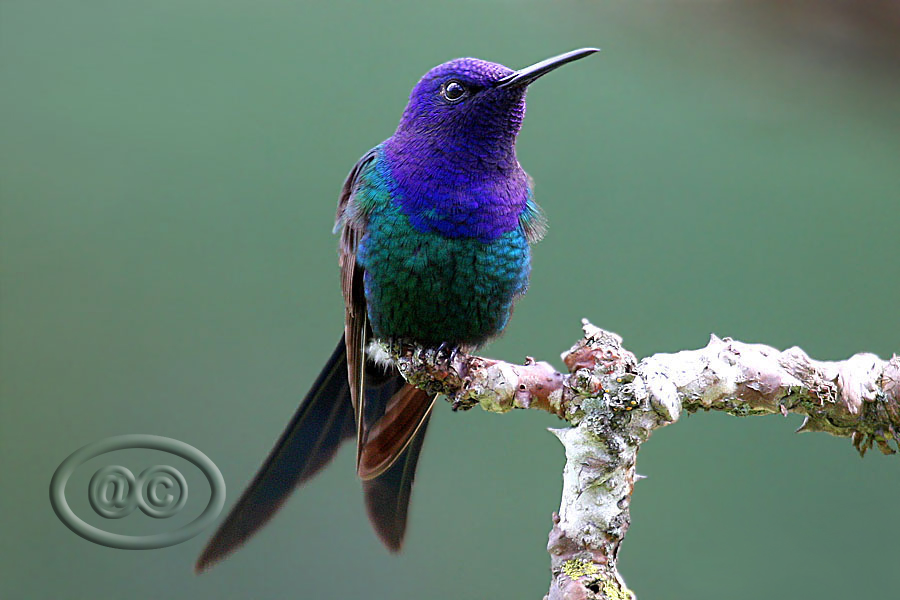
(351, 223)
(387, 426)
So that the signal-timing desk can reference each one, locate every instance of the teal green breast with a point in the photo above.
(432, 289)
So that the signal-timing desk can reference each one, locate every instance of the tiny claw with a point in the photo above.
(454, 354)
(446, 353)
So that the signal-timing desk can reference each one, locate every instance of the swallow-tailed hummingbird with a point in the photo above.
(435, 225)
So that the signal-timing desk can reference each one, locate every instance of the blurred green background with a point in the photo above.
(169, 174)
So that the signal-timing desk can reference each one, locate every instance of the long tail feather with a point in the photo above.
(387, 496)
(321, 423)
(323, 420)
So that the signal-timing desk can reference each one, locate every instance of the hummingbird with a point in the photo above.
(435, 226)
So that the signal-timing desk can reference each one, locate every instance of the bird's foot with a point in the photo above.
(445, 356)
(448, 352)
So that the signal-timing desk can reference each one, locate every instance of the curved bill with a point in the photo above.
(529, 74)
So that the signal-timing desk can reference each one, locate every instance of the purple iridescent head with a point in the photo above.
(468, 100)
(452, 159)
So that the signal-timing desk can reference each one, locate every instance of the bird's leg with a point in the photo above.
(394, 346)
(398, 347)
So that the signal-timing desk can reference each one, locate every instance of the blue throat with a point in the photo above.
(457, 192)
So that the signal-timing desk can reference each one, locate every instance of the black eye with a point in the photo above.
(453, 91)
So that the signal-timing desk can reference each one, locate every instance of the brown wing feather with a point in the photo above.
(404, 415)
(354, 296)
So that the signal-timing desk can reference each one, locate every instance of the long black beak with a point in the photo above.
(525, 76)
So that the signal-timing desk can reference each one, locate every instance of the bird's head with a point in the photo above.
(468, 101)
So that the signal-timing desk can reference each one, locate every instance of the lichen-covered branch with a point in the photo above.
(614, 403)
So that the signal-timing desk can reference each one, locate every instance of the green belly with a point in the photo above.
(432, 289)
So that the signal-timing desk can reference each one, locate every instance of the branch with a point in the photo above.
(614, 403)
